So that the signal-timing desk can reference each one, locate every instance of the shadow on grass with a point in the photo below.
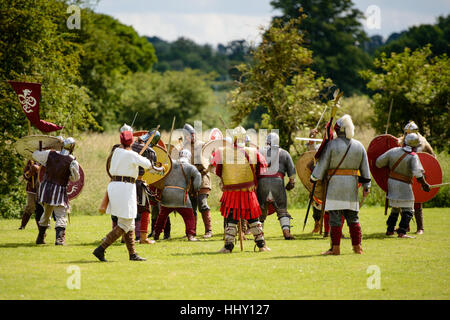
(94, 260)
(18, 245)
(377, 235)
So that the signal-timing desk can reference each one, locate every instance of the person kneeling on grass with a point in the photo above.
(124, 170)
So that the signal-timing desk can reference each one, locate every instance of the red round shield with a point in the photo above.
(73, 188)
(378, 146)
(433, 175)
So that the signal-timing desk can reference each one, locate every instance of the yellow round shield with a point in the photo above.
(151, 177)
(305, 166)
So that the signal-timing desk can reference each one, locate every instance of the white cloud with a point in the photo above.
(212, 28)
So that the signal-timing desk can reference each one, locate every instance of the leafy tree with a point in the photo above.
(336, 37)
(437, 35)
(281, 81)
(184, 53)
(111, 50)
(158, 97)
(417, 83)
(36, 46)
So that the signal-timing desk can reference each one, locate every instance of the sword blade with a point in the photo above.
(309, 204)
(439, 185)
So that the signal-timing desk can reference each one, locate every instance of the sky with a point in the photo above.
(221, 21)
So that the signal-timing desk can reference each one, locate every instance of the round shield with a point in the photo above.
(378, 146)
(215, 134)
(209, 148)
(433, 175)
(73, 188)
(305, 166)
(29, 144)
(152, 177)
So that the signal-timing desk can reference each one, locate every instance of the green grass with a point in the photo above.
(181, 270)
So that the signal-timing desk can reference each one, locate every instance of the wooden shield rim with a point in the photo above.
(165, 175)
(221, 143)
(20, 144)
(211, 134)
(380, 175)
(434, 176)
(318, 193)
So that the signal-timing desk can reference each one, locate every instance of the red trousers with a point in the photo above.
(186, 213)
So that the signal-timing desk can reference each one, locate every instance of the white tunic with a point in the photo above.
(122, 195)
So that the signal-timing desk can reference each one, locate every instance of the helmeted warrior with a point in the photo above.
(124, 170)
(61, 166)
(271, 187)
(239, 168)
(30, 174)
(175, 195)
(199, 198)
(341, 166)
(317, 203)
(143, 193)
(424, 146)
(404, 164)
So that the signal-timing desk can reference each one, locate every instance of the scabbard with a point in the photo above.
(386, 206)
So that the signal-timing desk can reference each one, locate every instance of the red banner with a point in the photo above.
(29, 95)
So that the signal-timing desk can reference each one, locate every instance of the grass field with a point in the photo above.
(408, 269)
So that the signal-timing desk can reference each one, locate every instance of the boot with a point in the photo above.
(110, 238)
(191, 237)
(264, 249)
(130, 243)
(41, 236)
(25, 218)
(357, 249)
(403, 235)
(224, 250)
(206, 216)
(287, 234)
(167, 229)
(60, 236)
(335, 251)
(316, 227)
(144, 240)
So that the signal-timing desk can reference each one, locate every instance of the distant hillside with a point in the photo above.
(415, 37)
(184, 53)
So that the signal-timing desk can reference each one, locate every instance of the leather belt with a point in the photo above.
(400, 177)
(124, 179)
(344, 172)
(175, 187)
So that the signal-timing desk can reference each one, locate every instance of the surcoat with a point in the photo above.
(59, 169)
(342, 190)
(400, 193)
(182, 176)
(271, 181)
